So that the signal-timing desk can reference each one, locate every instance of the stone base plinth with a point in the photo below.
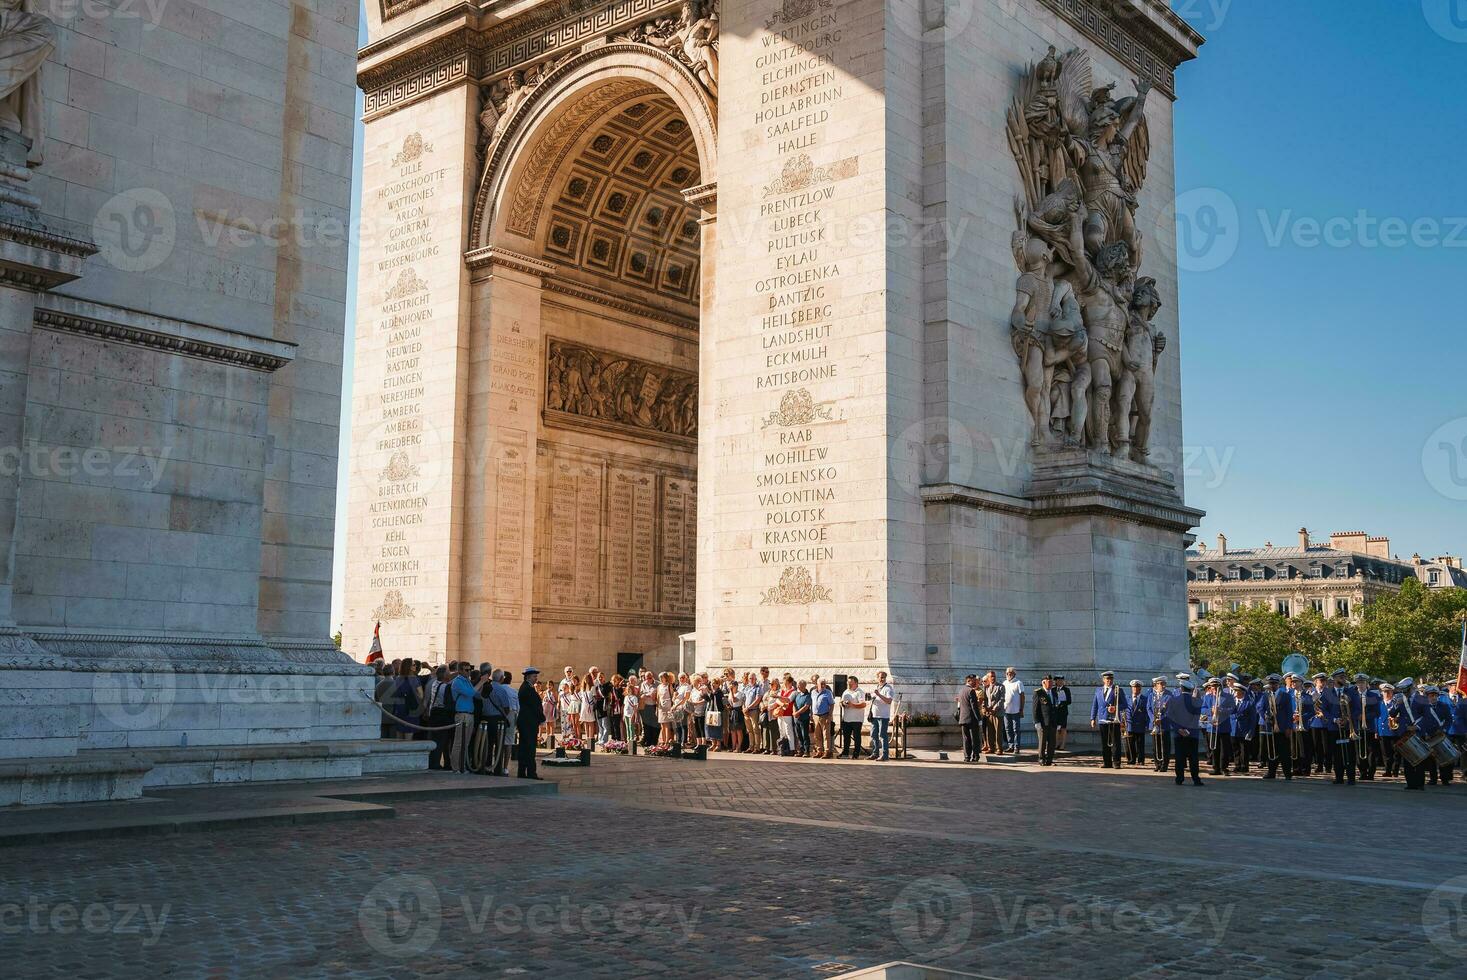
(102, 716)
(110, 776)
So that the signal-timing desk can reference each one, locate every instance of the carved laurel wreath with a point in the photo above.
(393, 607)
(796, 588)
(797, 407)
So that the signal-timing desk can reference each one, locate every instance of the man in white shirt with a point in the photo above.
(852, 714)
(1013, 709)
(882, 697)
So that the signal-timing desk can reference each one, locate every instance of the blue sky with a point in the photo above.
(1320, 372)
(1320, 149)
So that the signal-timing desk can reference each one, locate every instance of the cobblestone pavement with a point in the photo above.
(777, 868)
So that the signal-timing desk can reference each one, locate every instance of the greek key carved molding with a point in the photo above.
(470, 55)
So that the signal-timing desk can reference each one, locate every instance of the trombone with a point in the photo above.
(1273, 726)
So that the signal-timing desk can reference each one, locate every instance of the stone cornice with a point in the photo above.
(569, 287)
(703, 196)
(1144, 34)
(452, 48)
(150, 653)
(493, 255)
(39, 237)
(1172, 516)
(181, 337)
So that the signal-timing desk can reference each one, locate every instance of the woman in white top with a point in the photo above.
(666, 715)
(631, 711)
(697, 707)
(588, 709)
(570, 706)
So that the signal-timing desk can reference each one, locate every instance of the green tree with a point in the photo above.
(1414, 632)
(336, 638)
(1258, 639)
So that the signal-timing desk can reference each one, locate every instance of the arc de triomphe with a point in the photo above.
(682, 321)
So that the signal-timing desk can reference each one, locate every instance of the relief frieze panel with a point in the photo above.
(587, 387)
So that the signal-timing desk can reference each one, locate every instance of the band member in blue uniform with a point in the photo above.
(1276, 728)
(1347, 723)
(1303, 739)
(1324, 723)
(1217, 713)
(1161, 743)
(1367, 726)
(1402, 722)
(1136, 726)
(1183, 720)
(1436, 719)
(1299, 741)
(1107, 714)
(1385, 734)
(1458, 704)
(1243, 725)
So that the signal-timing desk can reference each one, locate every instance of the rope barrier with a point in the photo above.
(404, 721)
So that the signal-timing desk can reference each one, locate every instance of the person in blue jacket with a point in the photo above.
(1108, 715)
(1304, 759)
(1369, 727)
(1276, 728)
(1136, 726)
(1183, 722)
(1243, 725)
(1436, 719)
(1390, 761)
(1347, 725)
(1323, 724)
(1161, 743)
(1404, 721)
(1217, 713)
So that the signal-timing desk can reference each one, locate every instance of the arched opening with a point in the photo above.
(586, 306)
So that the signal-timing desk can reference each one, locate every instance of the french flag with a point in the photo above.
(375, 654)
(1462, 661)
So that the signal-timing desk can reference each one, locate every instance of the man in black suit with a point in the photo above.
(528, 722)
(970, 717)
(1046, 719)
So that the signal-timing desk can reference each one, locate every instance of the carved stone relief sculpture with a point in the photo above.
(26, 40)
(504, 97)
(622, 391)
(691, 37)
(1081, 324)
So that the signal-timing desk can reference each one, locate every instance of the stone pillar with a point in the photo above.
(32, 259)
(405, 504)
(502, 418)
(809, 360)
(41, 718)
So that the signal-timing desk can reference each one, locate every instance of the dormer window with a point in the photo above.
(1235, 574)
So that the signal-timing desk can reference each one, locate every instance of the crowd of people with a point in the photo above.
(1281, 725)
(753, 714)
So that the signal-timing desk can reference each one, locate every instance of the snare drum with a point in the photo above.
(1413, 749)
(1443, 752)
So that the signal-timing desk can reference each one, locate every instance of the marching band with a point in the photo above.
(1350, 728)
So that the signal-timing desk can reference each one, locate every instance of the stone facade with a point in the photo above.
(797, 216)
(173, 402)
(1335, 580)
